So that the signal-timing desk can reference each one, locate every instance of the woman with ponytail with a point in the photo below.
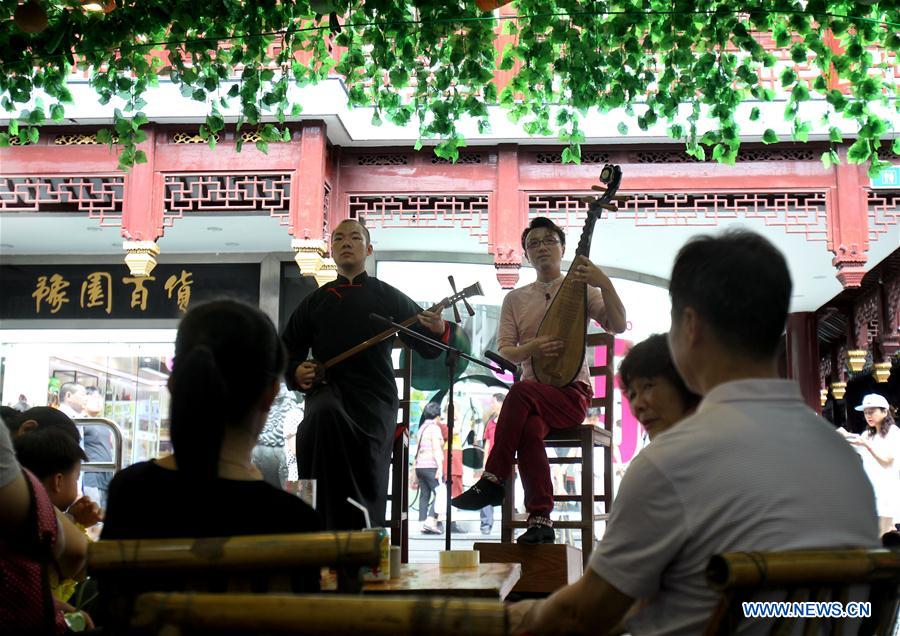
(228, 364)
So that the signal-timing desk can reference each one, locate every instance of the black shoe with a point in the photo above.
(483, 493)
(536, 535)
(455, 528)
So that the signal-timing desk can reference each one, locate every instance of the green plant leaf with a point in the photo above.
(769, 137)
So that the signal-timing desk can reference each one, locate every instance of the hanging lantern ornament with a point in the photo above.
(856, 359)
(882, 371)
(838, 389)
(30, 17)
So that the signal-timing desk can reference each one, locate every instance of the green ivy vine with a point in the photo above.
(433, 63)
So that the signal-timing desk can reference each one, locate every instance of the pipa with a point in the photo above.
(566, 318)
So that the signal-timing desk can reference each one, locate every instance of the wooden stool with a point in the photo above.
(585, 437)
(545, 568)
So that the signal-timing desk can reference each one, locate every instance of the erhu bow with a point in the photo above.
(566, 318)
(450, 301)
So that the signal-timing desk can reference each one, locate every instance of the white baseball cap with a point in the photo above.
(873, 401)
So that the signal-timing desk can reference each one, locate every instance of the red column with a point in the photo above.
(308, 185)
(803, 356)
(507, 218)
(142, 205)
(848, 222)
(308, 204)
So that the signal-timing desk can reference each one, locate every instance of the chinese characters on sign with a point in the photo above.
(51, 292)
(109, 292)
(183, 285)
(98, 288)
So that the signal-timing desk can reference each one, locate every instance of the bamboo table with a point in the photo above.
(488, 580)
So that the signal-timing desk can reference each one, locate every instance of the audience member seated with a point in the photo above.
(656, 393)
(8, 414)
(228, 364)
(55, 459)
(40, 417)
(34, 539)
(753, 469)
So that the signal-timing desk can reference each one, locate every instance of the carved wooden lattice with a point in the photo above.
(825, 368)
(892, 294)
(795, 212)
(753, 154)
(269, 193)
(468, 158)
(191, 138)
(100, 196)
(382, 159)
(663, 156)
(76, 140)
(777, 154)
(866, 319)
(884, 210)
(424, 211)
(587, 157)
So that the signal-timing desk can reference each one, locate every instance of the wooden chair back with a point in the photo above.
(236, 614)
(398, 496)
(803, 576)
(584, 438)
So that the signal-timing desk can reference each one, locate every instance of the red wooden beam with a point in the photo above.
(142, 207)
(507, 218)
(308, 185)
(848, 222)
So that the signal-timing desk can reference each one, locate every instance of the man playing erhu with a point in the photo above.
(344, 441)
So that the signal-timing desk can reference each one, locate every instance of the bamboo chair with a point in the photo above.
(805, 575)
(258, 564)
(188, 614)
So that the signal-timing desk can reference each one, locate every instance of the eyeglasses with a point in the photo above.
(550, 241)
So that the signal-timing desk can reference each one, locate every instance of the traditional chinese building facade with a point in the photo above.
(834, 224)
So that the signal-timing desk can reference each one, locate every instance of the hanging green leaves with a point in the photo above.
(682, 64)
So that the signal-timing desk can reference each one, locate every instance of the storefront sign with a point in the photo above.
(110, 291)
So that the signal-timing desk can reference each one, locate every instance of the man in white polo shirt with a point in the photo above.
(753, 469)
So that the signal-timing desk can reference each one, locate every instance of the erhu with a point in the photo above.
(566, 318)
(457, 296)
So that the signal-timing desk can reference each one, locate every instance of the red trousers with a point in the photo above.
(529, 411)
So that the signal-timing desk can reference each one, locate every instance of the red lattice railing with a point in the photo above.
(795, 212)
(240, 193)
(883, 210)
(469, 212)
(100, 196)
